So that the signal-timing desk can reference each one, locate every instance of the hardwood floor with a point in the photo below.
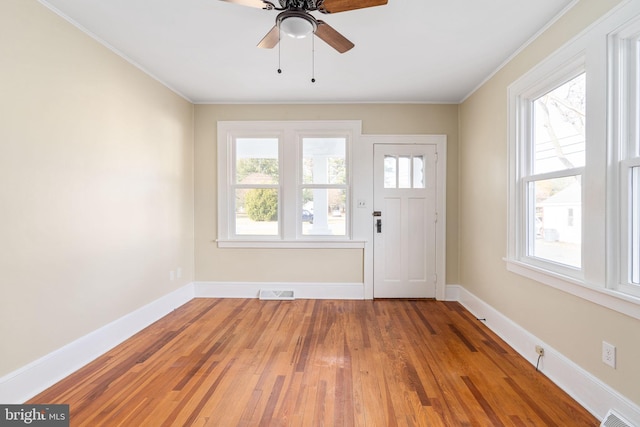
(232, 362)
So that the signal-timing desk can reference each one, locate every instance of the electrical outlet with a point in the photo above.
(609, 354)
(540, 350)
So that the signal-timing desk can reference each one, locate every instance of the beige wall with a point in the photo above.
(96, 193)
(308, 265)
(571, 325)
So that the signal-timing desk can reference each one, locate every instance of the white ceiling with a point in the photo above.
(407, 51)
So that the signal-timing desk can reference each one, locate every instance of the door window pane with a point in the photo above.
(324, 161)
(559, 128)
(556, 220)
(390, 172)
(418, 172)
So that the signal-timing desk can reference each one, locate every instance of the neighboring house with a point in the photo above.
(562, 216)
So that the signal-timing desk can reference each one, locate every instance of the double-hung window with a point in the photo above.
(285, 184)
(574, 166)
(548, 169)
(624, 46)
(555, 159)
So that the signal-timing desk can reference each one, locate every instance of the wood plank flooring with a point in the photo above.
(234, 362)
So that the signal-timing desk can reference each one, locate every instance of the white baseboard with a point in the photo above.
(301, 290)
(26, 382)
(594, 395)
(452, 292)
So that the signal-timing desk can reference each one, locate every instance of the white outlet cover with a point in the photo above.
(609, 354)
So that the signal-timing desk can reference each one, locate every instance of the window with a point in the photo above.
(574, 166)
(284, 184)
(625, 52)
(552, 152)
(556, 159)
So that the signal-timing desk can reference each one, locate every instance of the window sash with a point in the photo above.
(542, 243)
(629, 280)
(330, 222)
(634, 223)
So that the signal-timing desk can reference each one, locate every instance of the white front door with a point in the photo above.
(404, 221)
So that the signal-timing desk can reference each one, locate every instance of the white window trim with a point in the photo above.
(289, 236)
(601, 244)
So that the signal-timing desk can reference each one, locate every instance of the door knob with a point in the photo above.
(379, 225)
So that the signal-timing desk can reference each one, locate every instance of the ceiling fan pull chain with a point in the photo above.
(279, 44)
(313, 59)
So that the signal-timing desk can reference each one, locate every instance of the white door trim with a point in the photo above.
(362, 200)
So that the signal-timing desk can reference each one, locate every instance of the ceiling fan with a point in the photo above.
(296, 20)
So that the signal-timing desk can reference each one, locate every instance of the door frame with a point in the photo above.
(362, 201)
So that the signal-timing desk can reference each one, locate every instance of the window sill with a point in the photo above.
(292, 244)
(617, 301)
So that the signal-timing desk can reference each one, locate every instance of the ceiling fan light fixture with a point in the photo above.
(296, 26)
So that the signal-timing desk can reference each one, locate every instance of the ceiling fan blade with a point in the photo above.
(333, 38)
(335, 6)
(271, 39)
(251, 3)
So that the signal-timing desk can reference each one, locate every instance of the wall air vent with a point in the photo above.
(613, 419)
(270, 294)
